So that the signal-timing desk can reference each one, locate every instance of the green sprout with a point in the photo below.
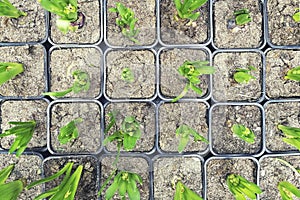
(67, 188)
(243, 133)
(23, 132)
(296, 16)
(126, 21)
(184, 132)
(243, 75)
(81, 83)
(127, 75)
(241, 187)
(242, 17)
(186, 9)
(8, 10)
(287, 190)
(292, 135)
(68, 17)
(69, 132)
(10, 190)
(293, 74)
(191, 70)
(184, 193)
(9, 70)
(125, 182)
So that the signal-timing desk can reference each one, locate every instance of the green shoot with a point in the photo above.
(243, 133)
(23, 132)
(9, 70)
(81, 83)
(296, 16)
(243, 75)
(127, 75)
(8, 10)
(69, 132)
(10, 190)
(184, 193)
(292, 135)
(126, 21)
(293, 74)
(242, 17)
(127, 135)
(241, 187)
(184, 132)
(68, 17)
(186, 9)
(66, 189)
(287, 190)
(191, 70)
(125, 182)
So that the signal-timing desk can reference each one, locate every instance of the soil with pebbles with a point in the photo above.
(223, 117)
(137, 165)
(144, 12)
(283, 30)
(171, 82)
(168, 170)
(273, 171)
(89, 139)
(90, 33)
(217, 171)
(173, 115)
(30, 28)
(182, 31)
(246, 36)
(88, 185)
(285, 113)
(32, 81)
(144, 113)
(225, 88)
(26, 110)
(278, 63)
(142, 65)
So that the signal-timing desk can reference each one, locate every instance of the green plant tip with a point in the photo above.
(293, 74)
(296, 16)
(8, 10)
(243, 75)
(69, 132)
(9, 70)
(291, 135)
(127, 75)
(288, 190)
(186, 9)
(242, 17)
(243, 133)
(182, 192)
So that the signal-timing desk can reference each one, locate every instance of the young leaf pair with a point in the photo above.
(292, 135)
(185, 9)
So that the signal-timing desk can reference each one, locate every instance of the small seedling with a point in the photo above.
(242, 16)
(67, 188)
(292, 135)
(191, 70)
(9, 70)
(126, 21)
(243, 75)
(296, 16)
(184, 193)
(287, 190)
(81, 83)
(69, 132)
(127, 75)
(68, 17)
(125, 182)
(243, 133)
(23, 132)
(186, 9)
(127, 135)
(8, 10)
(10, 190)
(293, 74)
(241, 187)
(184, 132)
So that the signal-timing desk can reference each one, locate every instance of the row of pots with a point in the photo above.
(271, 22)
(155, 73)
(158, 125)
(208, 178)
